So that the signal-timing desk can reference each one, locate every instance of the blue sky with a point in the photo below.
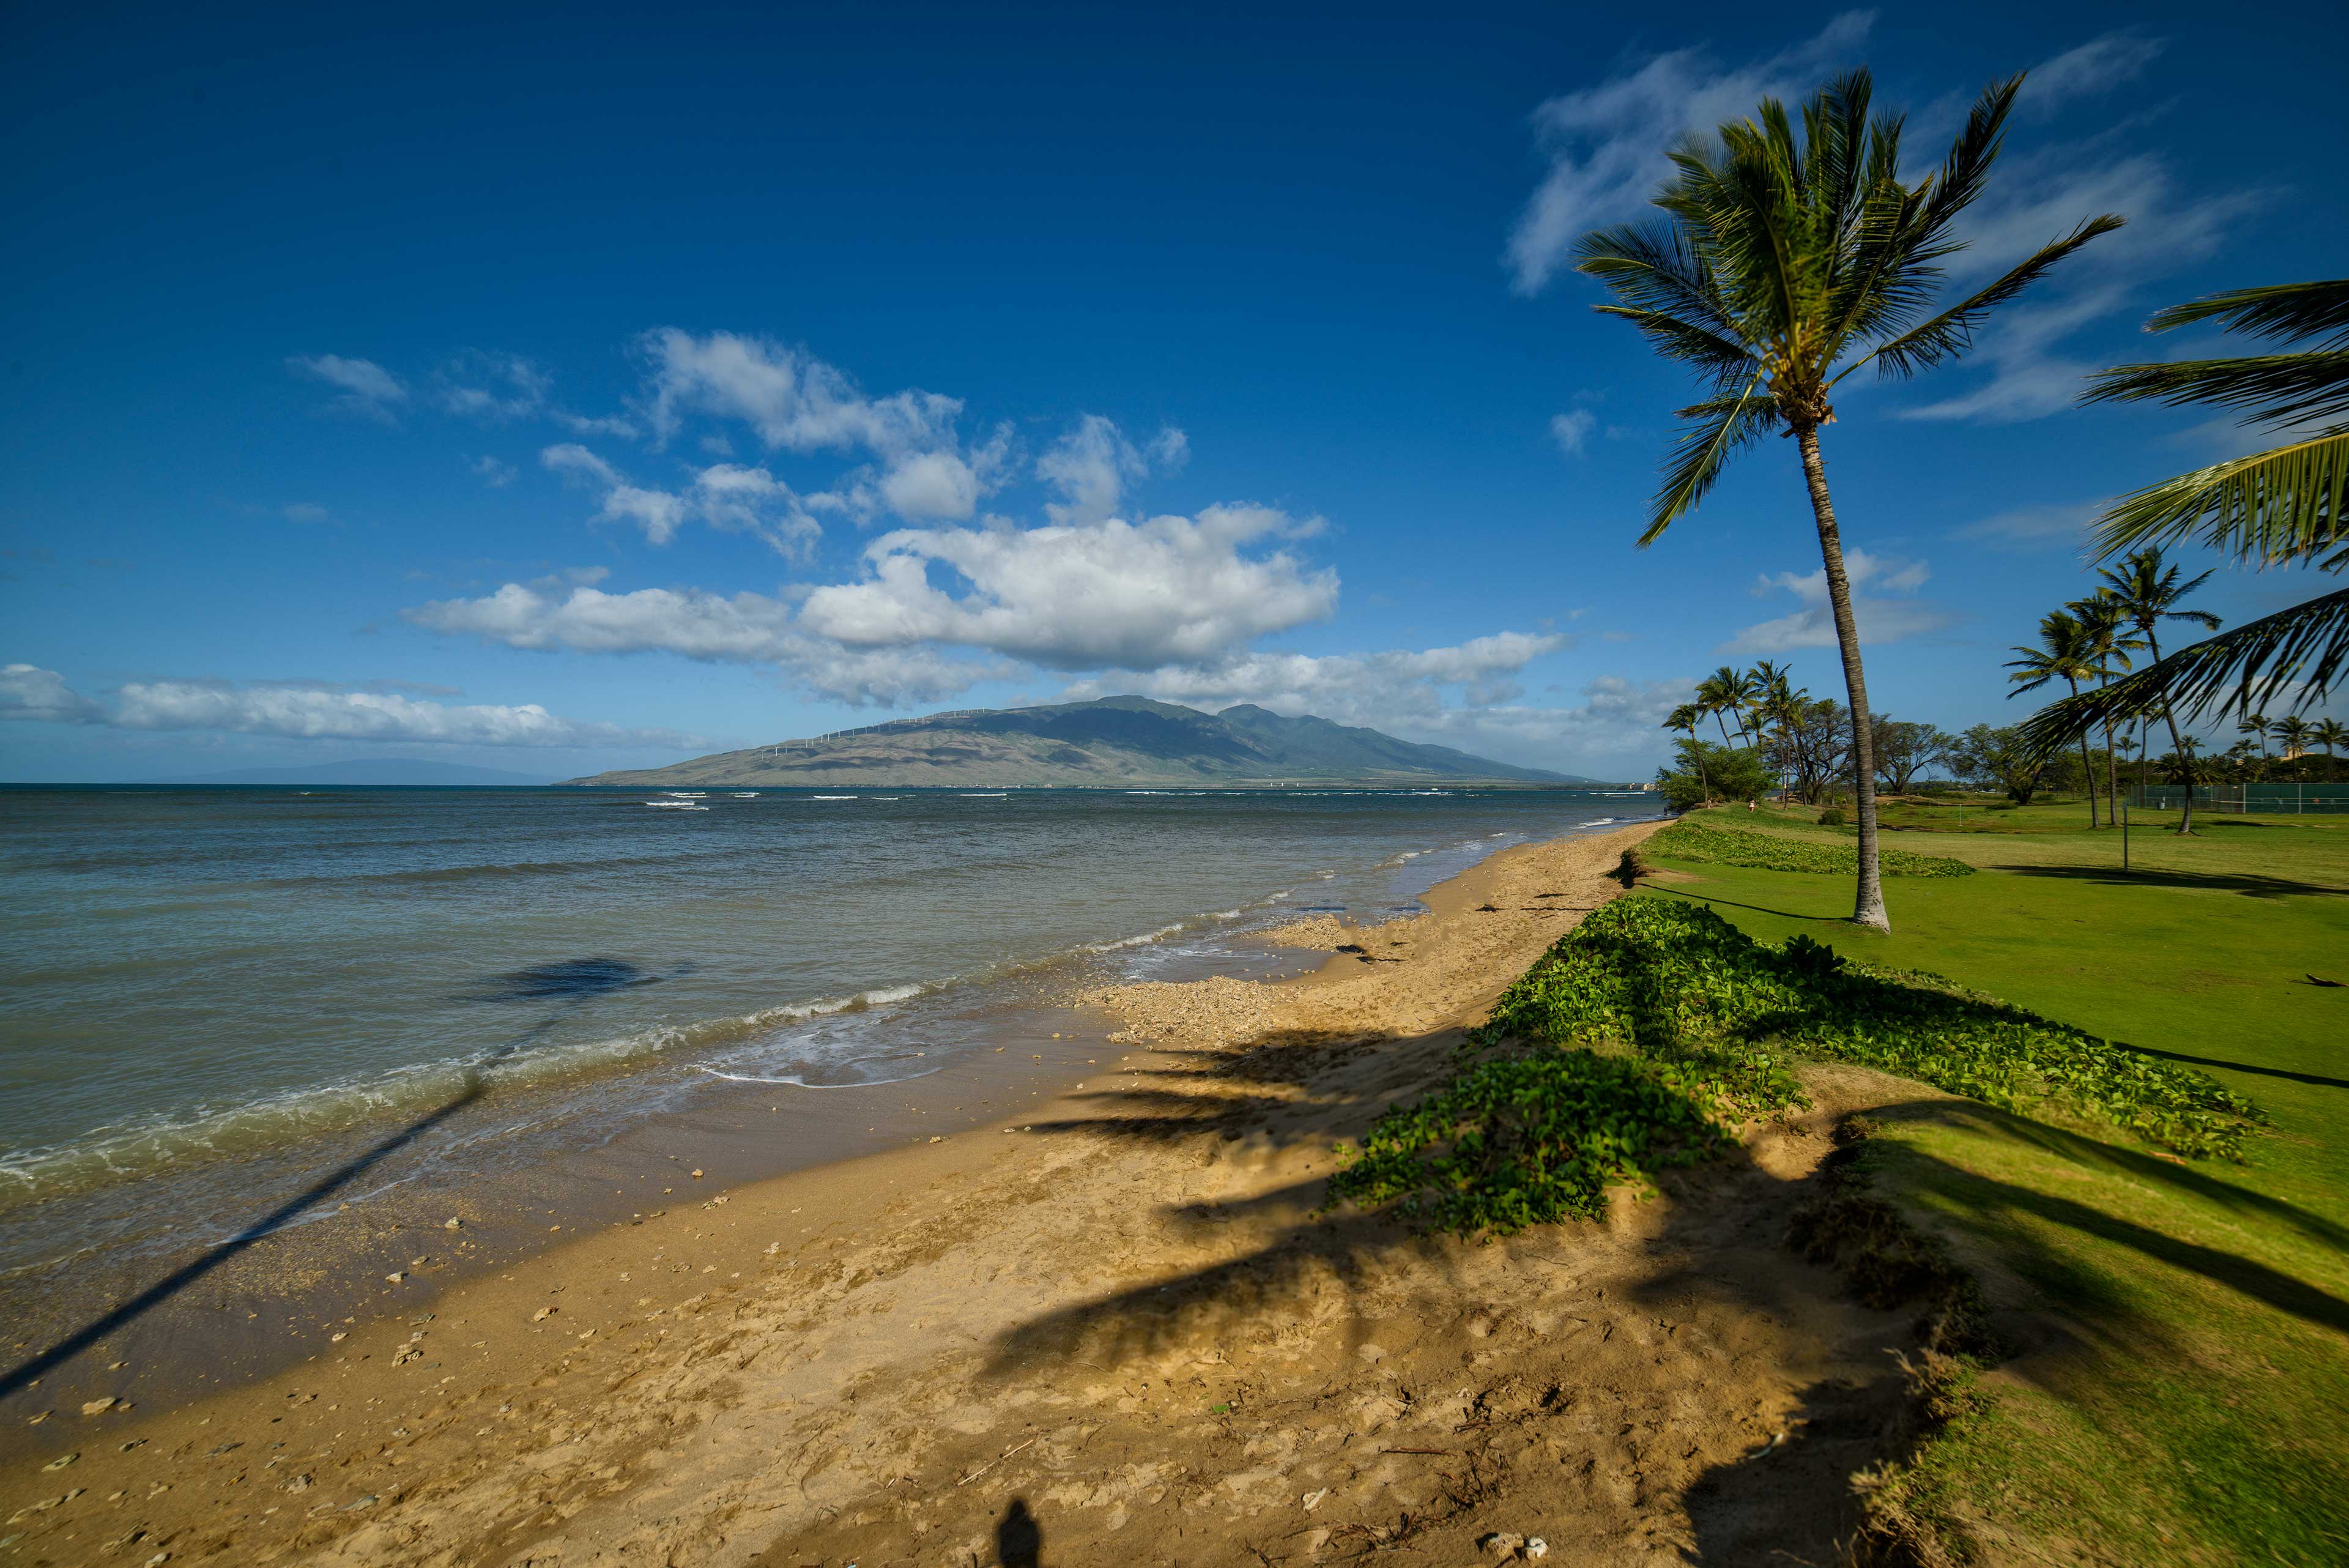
(579, 388)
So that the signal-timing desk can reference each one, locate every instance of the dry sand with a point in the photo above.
(1118, 1331)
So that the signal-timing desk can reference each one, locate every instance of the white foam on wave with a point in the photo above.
(823, 1007)
(121, 1151)
(796, 1081)
(1144, 940)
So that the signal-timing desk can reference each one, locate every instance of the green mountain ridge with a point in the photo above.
(1110, 742)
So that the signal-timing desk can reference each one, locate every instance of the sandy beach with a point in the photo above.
(1119, 1329)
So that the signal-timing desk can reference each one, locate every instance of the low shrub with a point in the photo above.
(1677, 982)
(1646, 1033)
(1534, 1139)
(1831, 817)
(1704, 843)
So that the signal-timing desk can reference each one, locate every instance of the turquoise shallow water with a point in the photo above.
(206, 993)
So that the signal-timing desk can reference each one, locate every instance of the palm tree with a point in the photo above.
(2103, 640)
(2255, 725)
(1685, 719)
(1782, 266)
(2062, 655)
(2291, 734)
(1761, 681)
(1779, 707)
(2331, 734)
(2273, 507)
(2147, 591)
(1727, 690)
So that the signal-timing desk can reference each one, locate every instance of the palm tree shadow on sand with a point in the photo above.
(1296, 1089)
(575, 984)
(1791, 1500)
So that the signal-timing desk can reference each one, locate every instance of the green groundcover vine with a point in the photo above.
(1649, 1032)
(1688, 839)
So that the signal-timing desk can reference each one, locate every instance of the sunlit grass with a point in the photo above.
(2181, 1390)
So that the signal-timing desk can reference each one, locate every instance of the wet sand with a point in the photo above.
(1117, 1320)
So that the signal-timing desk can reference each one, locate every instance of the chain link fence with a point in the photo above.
(2245, 799)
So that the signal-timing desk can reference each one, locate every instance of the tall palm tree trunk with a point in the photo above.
(2087, 768)
(1868, 904)
(2112, 778)
(2186, 818)
(1701, 776)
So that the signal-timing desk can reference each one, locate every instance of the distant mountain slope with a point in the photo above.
(1116, 742)
(368, 771)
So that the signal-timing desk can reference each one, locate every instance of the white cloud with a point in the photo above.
(28, 692)
(2030, 379)
(1111, 595)
(367, 389)
(931, 484)
(312, 711)
(1607, 144)
(305, 511)
(791, 399)
(729, 496)
(2035, 527)
(1169, 449)
(1571, 430)
(658, 511)
(795, 401)
(1615, 731)
(493, 473)
(747, 629)
(1127, 595)
(2095, 66)
(603, 425)
(744, 500)
(1093, 462)
(492, 387)
(1879, 619)
(1396, 689)
(2041, 195)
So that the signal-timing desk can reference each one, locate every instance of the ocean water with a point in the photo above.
(207, 996)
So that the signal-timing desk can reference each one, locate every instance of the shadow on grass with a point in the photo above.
(1682, 892)
(2208, 882)
(2316, 1078)
(1987, 1197)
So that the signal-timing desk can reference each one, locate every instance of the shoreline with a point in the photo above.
(272, 1302)
(905, 1310)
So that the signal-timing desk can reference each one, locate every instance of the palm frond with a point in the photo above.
(1952, 332)
(1654, 266)
(2279, 310)
(2283, 389)
(1966, 168)
(2271, 507)
(1835, 129)
(1674, 338)
(2306, 646)
(1882, 289)
(1721, 427)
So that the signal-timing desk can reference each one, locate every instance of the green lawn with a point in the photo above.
(2179, 1387)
